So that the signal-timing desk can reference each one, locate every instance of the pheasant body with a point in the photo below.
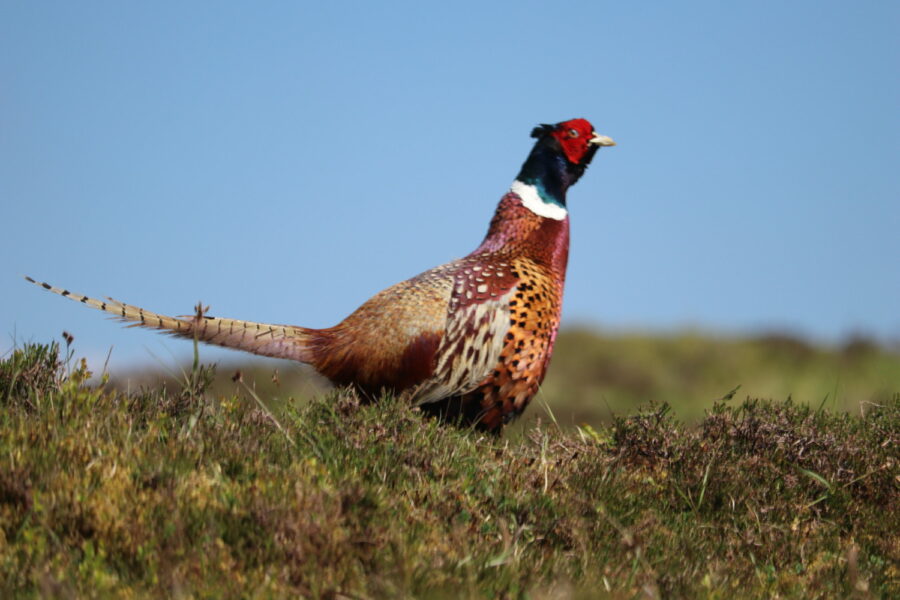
(469, 340)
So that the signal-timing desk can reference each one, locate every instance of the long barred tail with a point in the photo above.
(278, 341)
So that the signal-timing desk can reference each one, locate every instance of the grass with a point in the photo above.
(179, 491)
(594, 376)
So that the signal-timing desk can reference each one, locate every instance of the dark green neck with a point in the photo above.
(544, 170)
(550, 173)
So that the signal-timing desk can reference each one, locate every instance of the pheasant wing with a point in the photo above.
(478, 321)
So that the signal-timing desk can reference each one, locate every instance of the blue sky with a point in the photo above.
(283, 161)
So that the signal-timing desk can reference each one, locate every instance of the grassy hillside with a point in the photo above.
(185, 492)
(596, 376)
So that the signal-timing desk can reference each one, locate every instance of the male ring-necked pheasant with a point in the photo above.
(469, 340)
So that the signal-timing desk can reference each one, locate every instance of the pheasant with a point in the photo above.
(470, 340)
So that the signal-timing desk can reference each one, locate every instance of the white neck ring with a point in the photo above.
(532, 200)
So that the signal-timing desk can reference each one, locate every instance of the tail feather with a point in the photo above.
(278, 341)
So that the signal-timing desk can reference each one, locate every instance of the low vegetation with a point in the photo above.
(180, 491)
(596, 376)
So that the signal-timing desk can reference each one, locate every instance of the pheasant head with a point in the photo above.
(559, 158)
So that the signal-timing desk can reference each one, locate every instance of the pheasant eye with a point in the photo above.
(573, 133)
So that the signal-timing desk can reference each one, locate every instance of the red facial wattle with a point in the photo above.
(574, 136)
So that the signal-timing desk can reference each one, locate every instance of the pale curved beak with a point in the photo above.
(602, 140)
